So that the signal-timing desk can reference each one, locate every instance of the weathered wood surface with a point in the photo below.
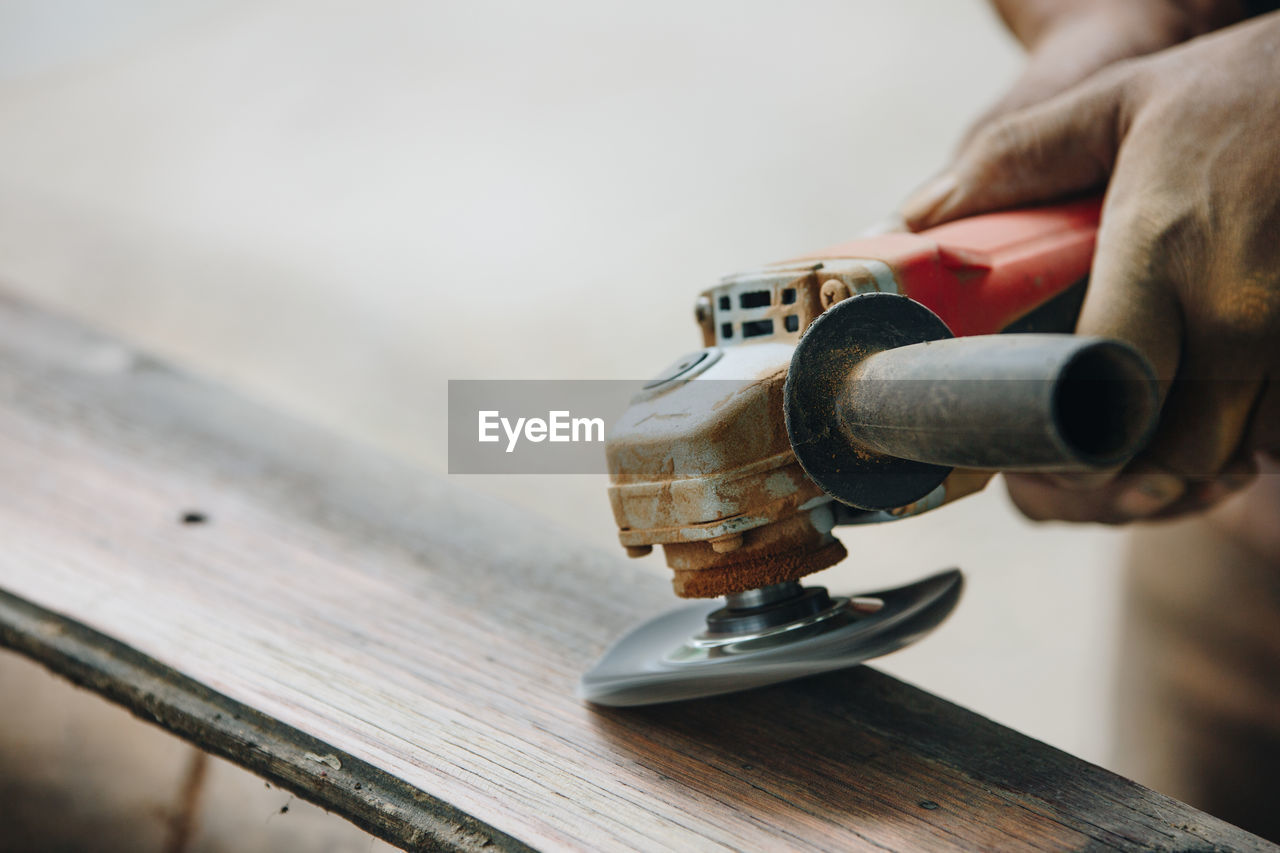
(404, 653)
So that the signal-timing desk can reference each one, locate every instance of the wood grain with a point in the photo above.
(403, 652)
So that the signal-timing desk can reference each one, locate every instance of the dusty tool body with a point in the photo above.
(860, 384)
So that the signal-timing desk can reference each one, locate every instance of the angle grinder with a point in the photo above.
(865, 383)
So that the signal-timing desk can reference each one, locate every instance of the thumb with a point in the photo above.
(1056, 148)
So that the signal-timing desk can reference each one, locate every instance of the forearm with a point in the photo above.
(1171, 21)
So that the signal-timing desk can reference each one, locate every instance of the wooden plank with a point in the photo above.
(334, 603)
(375, 801)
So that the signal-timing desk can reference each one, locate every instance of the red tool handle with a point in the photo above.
(983, 274)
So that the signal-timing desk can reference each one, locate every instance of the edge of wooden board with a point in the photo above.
(372, 799)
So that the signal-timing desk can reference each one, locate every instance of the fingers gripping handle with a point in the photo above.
(882, 402)
(879, 420)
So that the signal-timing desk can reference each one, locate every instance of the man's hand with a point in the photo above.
(1187, 266)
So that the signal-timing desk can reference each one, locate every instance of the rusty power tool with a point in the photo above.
(860, 384)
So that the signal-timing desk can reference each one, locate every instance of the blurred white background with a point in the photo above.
(338, 206)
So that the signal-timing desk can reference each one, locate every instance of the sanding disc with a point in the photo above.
(674, 657)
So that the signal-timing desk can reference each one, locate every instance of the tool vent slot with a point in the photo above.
(755, 299)
(756, 328)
